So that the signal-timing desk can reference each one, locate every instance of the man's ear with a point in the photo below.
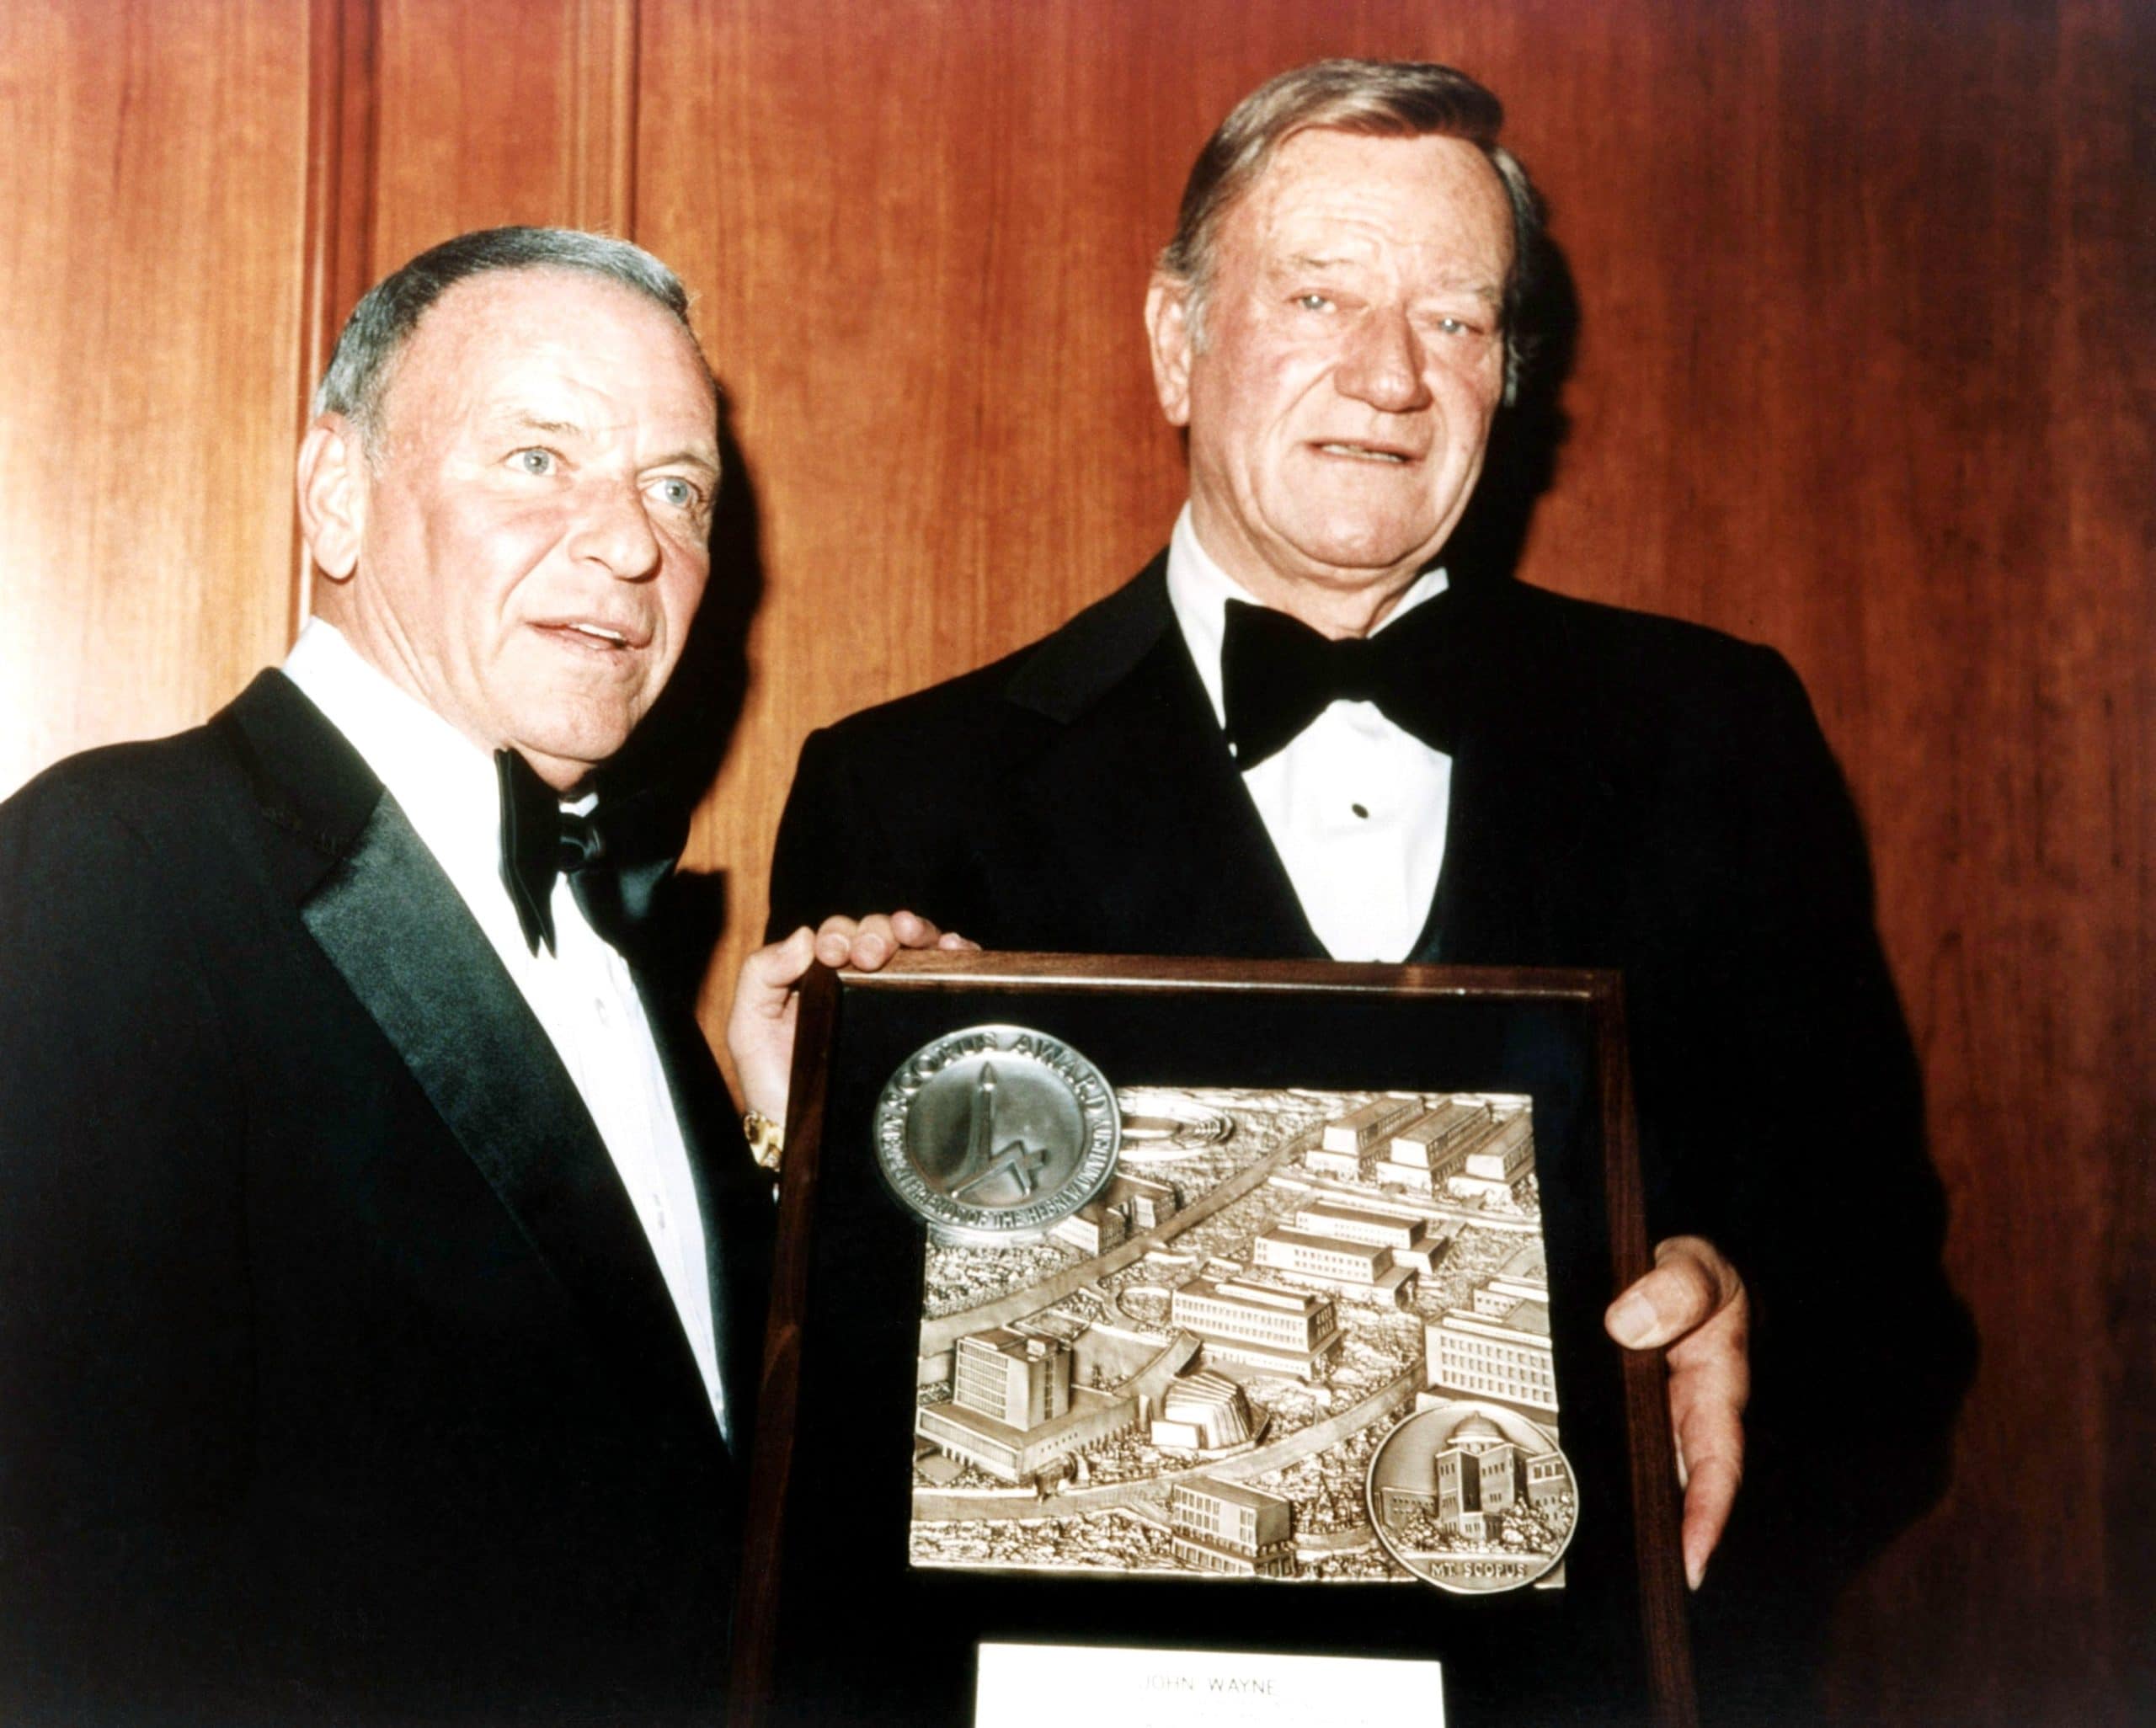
(1170, 338)
(332, 495)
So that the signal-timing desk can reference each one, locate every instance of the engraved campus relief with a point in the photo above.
(1279, 1334)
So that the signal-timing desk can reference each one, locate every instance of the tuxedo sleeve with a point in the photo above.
(1782, 1116)
(839, 849)
(811, 857)
(124, 1416)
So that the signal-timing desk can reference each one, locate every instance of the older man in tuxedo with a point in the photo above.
(1312, 727)
(380, 1262)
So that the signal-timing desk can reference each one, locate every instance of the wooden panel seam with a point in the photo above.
(344, 41)
(601, 136)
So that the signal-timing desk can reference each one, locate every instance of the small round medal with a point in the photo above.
(996, 1133)
(1472, 1498)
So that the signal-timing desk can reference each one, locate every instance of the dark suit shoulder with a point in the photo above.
(133, 876)
(1656, 707)
(1642, 656)
(867, 824)
(267, 789)
(102, 859)
(146, 785)
(1054, 679)
(942, 718)
(885, 803)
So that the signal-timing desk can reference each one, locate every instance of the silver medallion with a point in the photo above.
(996, 1133)
(1472, 1498)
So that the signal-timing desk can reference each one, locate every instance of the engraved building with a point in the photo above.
(1203, 1413)
(1260, 1326)
(1361, 1223)
(1496, 1163)
(1222, 1526)
(1424, 1152)
(1013, 1410)
(1020, 1381)
(1345, 1143)
(1362, 1271)
(1476, 1476)
(1128, 1206)
(1499, 1347)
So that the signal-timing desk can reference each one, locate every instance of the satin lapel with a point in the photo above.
(314, 791)
(393, 924)
(1132, 818)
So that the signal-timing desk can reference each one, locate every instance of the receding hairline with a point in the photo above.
(389, 313)
(392, 369)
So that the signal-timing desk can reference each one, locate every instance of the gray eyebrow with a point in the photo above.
(697, 458)
(1482, 289)
(557, 428)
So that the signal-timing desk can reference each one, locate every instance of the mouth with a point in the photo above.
(589, 635)
(1380, 453)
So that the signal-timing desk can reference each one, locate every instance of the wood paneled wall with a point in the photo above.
(1864, 370)
(152, 166)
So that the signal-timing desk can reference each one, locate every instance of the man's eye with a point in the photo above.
(535, 461)
(1314, 302)
(1452, 327)
(677, 493)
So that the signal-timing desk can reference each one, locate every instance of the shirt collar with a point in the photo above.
(1199, 590)
(444, 783)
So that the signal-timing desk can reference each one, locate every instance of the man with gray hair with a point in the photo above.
(1317, 725)
(381, 1263)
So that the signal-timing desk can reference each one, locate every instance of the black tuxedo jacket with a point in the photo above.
(1628, 791)
(337, 1379)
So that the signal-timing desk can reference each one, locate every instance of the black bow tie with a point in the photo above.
(615, 858)
(1278, 674)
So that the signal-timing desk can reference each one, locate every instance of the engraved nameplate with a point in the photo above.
(1066, 1686)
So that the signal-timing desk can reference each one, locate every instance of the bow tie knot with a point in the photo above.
(616, 857)
(581, 843)
(1277, 676)
(1354, 670)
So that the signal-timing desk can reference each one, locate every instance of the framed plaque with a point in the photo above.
(1157, 1322)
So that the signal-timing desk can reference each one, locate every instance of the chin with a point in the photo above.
(586, 747)
(1350, 540)
(1358, 563)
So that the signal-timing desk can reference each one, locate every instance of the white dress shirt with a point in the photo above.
(583, 993)
(1356, 806)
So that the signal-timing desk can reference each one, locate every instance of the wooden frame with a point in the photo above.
(1585, 1008)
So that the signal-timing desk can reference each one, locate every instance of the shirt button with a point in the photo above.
(601, 1011)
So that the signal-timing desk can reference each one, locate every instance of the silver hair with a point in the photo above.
(359, 371)
(1393, 99)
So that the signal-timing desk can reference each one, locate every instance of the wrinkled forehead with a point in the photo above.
(503, 337)
(1430, 199)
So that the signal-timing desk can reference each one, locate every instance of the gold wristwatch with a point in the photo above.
(766, 1138)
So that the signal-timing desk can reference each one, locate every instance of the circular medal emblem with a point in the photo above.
(1472, 1498)
(995, 1133)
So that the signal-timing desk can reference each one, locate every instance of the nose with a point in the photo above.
(613, 531)
(1383, 365)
